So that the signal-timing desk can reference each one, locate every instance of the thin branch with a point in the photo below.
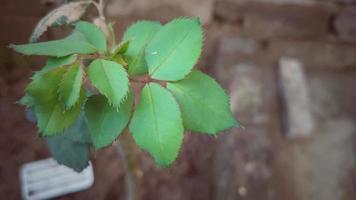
(138, 80)
(129, 174)
(100, 7)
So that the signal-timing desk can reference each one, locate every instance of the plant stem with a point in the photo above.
(100, 7)
(124, 147)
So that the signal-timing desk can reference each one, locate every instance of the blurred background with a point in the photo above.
(290, 69)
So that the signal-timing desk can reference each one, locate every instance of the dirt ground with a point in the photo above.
(255, 162)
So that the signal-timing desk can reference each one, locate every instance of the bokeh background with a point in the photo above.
(249, 47)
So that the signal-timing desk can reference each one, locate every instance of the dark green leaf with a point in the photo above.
(78, 131)
(106, 123)
(156, 124)
(174, 50)
(69, 153)
(204, 104)
(110, 78)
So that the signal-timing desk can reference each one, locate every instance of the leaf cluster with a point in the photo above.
(83, 96)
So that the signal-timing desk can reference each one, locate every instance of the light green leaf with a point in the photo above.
(156, 124)
(69, 88)
(74, 43)
(106, 123)
(69, 153)
(174, 50)
(110, 79)
(204, 104)
(93, 34)
(65, 14)
(139, 34)
(54, 62)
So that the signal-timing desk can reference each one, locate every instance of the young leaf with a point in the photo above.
(66, 14)
(174, 50)
(69, 153)
(204, 104)
(139, 34)
(93, 34)
(156, 124)
(110, 79)
(69, 88)
(122, 47)
(106, 122)
(54, 62)
(74, 43)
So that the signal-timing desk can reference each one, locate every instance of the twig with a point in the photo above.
(130, 183)
(100, 7)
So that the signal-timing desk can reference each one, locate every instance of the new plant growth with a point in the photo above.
(84, 95)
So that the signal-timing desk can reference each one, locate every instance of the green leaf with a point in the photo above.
(69, 153)
(54, 119)
(204, 104)
(49, 110)
(54, 62)
(78, 131)
(69, 88)
(174, 50)
(156, 124)
(93, 34)
(110, 79)
(139, 34)
(26, 100)
(119, 59)
(74, 43)
(122, 47)
(106, 123)
(44, 88)
(65, 14)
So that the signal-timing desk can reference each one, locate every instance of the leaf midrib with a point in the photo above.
(173, 49)
(153, 110)
(53, 110)
(111, 91)
(72, 82)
